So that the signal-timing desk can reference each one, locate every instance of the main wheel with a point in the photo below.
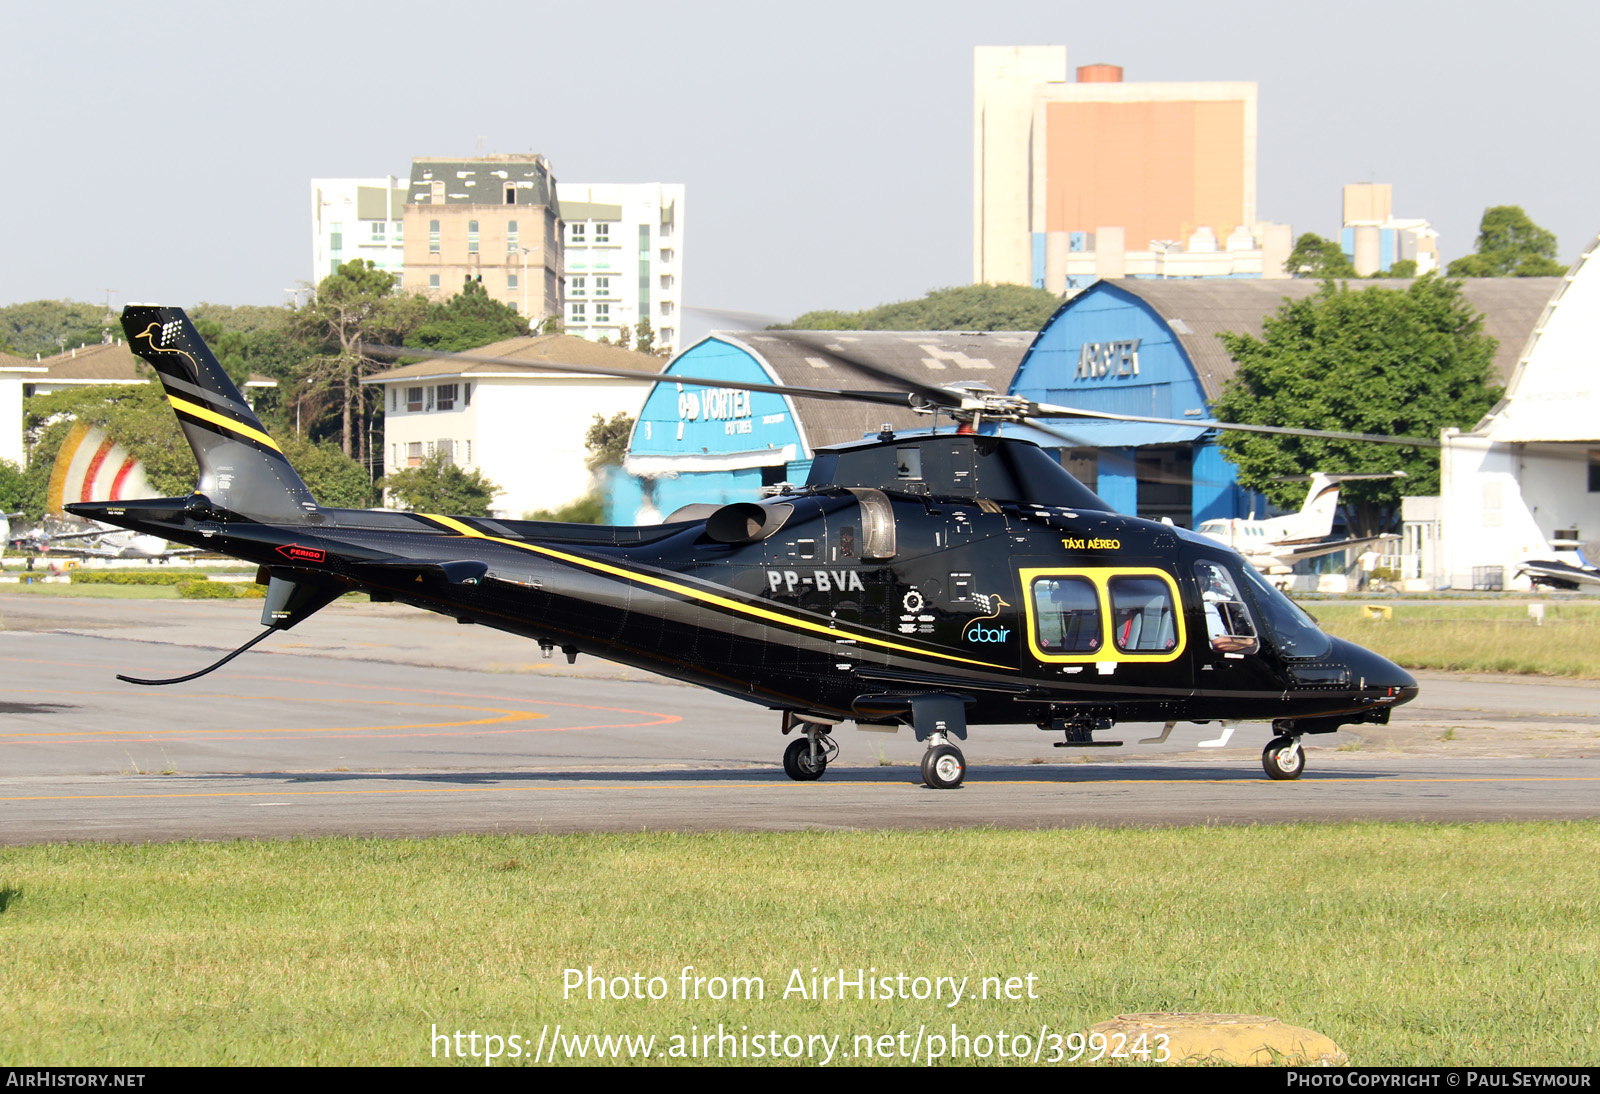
(1283, 758)
(943, 767)
(797, 762)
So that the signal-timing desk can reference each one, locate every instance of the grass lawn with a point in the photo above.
(1407, 944)
(1476, 637)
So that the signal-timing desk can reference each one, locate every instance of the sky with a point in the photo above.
(163, 151)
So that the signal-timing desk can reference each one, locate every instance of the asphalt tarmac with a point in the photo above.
(382, 720)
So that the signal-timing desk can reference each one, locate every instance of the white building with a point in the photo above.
(624, 258)
(520, 426)
(1528, 476)
(14, 372)
(357, 218)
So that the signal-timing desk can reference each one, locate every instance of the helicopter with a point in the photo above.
(933, 580)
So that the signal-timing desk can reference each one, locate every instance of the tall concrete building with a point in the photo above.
(1375, 239)
(624, 259)
(1074, 180)
(490, 218)
(357, 218)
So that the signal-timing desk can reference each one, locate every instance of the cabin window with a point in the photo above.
(1142, 615)
(1228, 624)
(1102, 614)
(1066, 615)
(1294, 632)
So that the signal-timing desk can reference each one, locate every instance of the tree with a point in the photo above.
(607, 441)
(1510, 245)
(46, 327)
(1316, 257)
(333, 478)
(469, 319)
(966, 307)
(354, 306)
(644, 337)
(589, 509)
(1388, 361)
(439, 486)
(16, 490)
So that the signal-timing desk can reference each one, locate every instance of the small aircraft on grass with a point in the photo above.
(939, 581)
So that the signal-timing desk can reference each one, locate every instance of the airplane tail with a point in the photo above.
(1321, 505)
(242, 470)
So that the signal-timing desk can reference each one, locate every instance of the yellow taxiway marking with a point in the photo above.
(601, 783)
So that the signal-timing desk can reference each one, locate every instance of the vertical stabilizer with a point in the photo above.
(242, 470)
(1315, 518)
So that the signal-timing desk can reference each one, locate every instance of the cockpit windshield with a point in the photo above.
(1294, 632)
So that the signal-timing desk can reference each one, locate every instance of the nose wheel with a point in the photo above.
(1283, 758)
(943, 767)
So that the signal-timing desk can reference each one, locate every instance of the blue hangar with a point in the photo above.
(697, 444)
(1121, 346)
(1106, 349)
(1134, 346)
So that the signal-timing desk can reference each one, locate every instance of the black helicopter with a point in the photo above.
(938, 581)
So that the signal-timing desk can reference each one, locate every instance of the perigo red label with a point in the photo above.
(303, 554)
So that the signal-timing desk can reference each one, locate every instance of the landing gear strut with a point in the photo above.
(807, 758)
(1283, 758)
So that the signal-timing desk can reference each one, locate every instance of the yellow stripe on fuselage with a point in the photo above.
(225, 422)
(708, 598)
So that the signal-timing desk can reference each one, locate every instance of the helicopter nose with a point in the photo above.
(1378, 674)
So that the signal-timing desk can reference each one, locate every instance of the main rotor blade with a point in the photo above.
(900, 399)
(1049, 411)
(1059, 434)
(931, 393)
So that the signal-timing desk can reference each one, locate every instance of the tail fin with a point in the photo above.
(241, 469)
(1322, 503)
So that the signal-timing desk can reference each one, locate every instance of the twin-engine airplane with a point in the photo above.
(1274, 544)
(937, 581)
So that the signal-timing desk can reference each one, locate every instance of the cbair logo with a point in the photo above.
(303, 554)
